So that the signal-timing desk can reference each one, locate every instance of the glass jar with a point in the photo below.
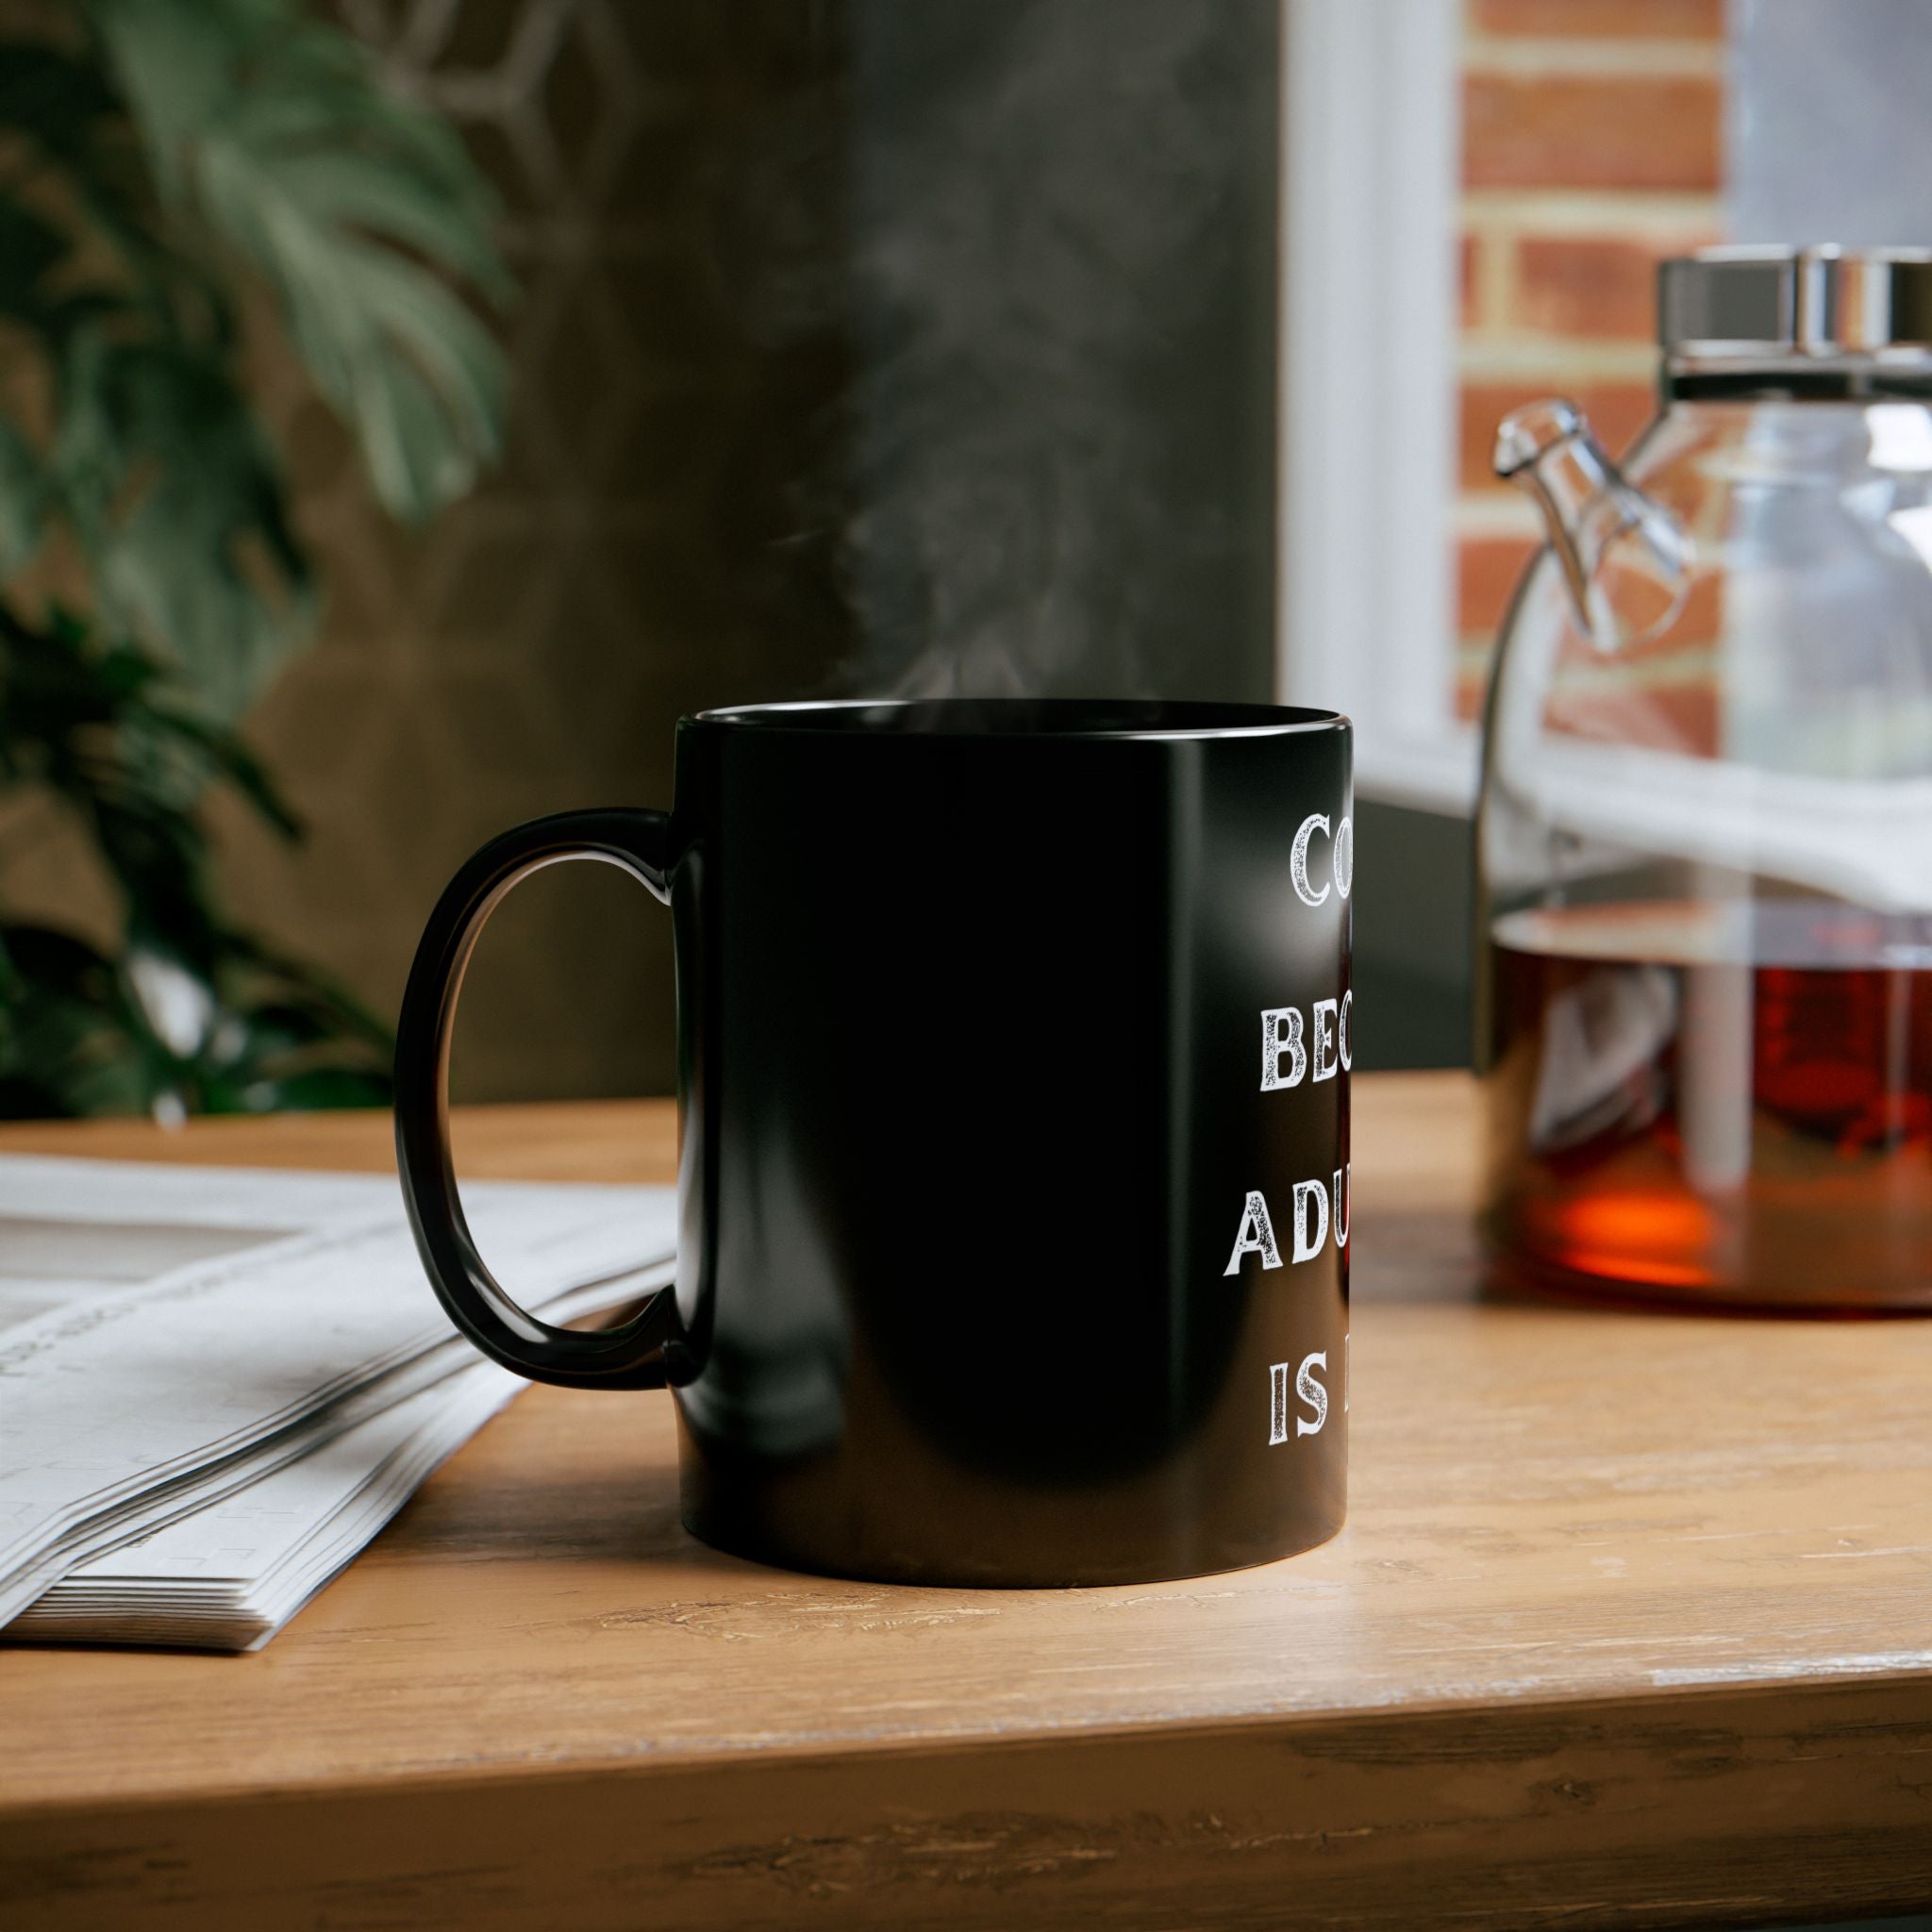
(1705, 838)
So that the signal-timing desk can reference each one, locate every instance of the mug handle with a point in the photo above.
(629, 1356)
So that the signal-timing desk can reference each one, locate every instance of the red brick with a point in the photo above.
(1617, 411)
(1699, 625)
(1487, 571)
(1674, 718)
(1662, 20)
(1573, 130)
(1466, 274)
(1577, 287)
(1687, 641)
(1472, 687)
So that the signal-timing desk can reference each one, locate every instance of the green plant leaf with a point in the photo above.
(30, 248)
(228, 757)
(312, 1088)
(173, 64)
(352, 203)
(75, 130)
(65, 1048)
(23, 500)
(157, 149)
(53, 97)
(175, 498)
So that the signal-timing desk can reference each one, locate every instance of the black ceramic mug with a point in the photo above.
(1014, 1050)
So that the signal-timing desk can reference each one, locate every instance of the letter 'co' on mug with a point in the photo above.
(1013, 1057)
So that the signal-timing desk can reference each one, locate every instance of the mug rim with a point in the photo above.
(1161, 719)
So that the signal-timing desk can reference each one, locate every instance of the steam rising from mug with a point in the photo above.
(1055, 453)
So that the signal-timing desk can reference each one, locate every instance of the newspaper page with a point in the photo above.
(170, 1335)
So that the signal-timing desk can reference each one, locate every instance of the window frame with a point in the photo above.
(1371, 161)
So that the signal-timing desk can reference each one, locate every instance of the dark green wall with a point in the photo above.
(1059, 269)
(863, 346)
(1411, 938)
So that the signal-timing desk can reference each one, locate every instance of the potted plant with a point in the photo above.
(171, 172)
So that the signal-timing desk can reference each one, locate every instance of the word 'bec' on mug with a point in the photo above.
(1014, 1050)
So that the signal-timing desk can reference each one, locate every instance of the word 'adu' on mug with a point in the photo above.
(1297, 1047)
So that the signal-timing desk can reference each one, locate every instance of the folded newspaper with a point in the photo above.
(217, 1385)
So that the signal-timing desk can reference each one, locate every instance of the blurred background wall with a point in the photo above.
(861, 346)
(874, 346)
(905, 346)
(642, 553)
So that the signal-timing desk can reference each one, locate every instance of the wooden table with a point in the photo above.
(1631, 1625)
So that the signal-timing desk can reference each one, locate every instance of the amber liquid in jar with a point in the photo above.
(1713, 1103)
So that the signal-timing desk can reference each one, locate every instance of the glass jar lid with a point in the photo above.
(1775, 306)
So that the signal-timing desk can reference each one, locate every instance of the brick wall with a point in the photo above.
(1591, 147)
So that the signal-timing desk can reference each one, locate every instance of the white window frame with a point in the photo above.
(1371, 161)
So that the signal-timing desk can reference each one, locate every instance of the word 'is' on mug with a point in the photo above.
(1013, 1190)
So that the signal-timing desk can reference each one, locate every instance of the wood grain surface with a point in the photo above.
(1631, 1625)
